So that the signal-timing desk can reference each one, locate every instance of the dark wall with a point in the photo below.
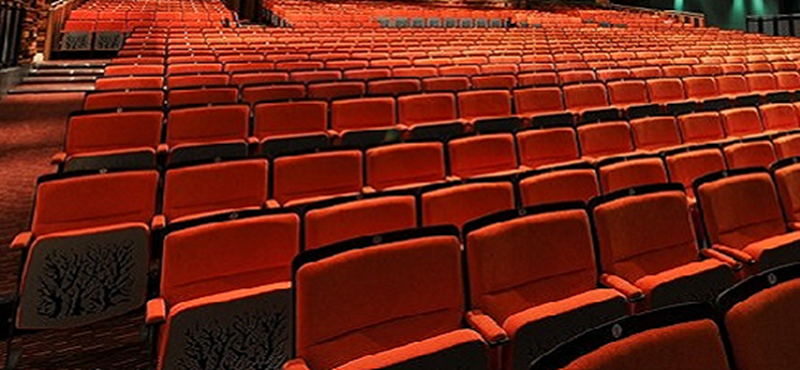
(726, 13)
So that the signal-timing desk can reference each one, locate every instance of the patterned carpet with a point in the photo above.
(32, 128)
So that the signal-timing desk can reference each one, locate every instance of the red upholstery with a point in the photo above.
(456, 205)
(311, 177)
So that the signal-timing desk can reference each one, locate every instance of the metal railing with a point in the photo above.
(12, 15)
(774, 25)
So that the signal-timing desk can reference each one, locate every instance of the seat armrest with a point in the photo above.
(794, 226)
(719, 256)
(489, 329)
(401, 127)
(735, 253)
(156, 311)
(159, 222)
(368, 190)
(252, 140)
(631, 292)
(333, 133)
(452, 179)
(22, 240)
(58, 158)
(295, 364)
(162, 149)
(272, 204)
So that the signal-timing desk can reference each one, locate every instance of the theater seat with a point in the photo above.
(749, 153)
(291, 127)
(605, 139)
(418, 323)
(125, 140)
(701, 127)
(207, 133)
(482, 156)
(589, 102)
(84, 229)
(548, 147)
(670, 94)
(743, 219)
(365, 121)
(648, 248)
(655, 133)
(430, 116)
(530, 289)
(631, 97)
(741, 122)
(572, 183)
(404, 166)
(243, 291)
(124, 100)
(455, 204)
(686, 166)
(761, 315)
(646, 341)
(337, 220)
(779, 117)
(542, 107)
(488, 111)
(630, 171)
(787, 174)
(308, 178)
(198, 191)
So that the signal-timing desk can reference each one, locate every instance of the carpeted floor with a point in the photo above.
(32, 128)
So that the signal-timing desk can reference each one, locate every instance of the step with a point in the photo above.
(71, 64)
(53, 87)
(57, 79)
(67, 72)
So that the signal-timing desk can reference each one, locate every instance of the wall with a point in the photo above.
(723, 13)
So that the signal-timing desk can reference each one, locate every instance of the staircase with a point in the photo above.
(61, 76)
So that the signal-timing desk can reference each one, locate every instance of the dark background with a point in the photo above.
(723, 13)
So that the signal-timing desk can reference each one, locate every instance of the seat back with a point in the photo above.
(337, 307)
(645, 233)
(482, 155)
(457, 204)
(645, 340)
(91, 201)
(121, 100)
(741, 121)
(787, 178)
(740, 208)
(113, 131)
(213, 188)
(585, 96)
(686, 167)
(604, 139)
(290, 118)
(408, 164)
(508, 274)
(653, 133)
(570, 184)
(631, 172)
(700, 87)
(701, 127)
(426, 108)
(665, 90)
(756, 153)
(760, 314)
(327, 223)
(627, 92)
(779, 117)
(539, 100)
(547, 146)
(208, 124)
(364, 113)
(310, 176)
(233, 255)
(484, 104)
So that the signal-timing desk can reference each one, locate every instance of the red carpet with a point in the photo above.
(32, 128)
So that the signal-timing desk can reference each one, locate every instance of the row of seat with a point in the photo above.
(644, 237)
